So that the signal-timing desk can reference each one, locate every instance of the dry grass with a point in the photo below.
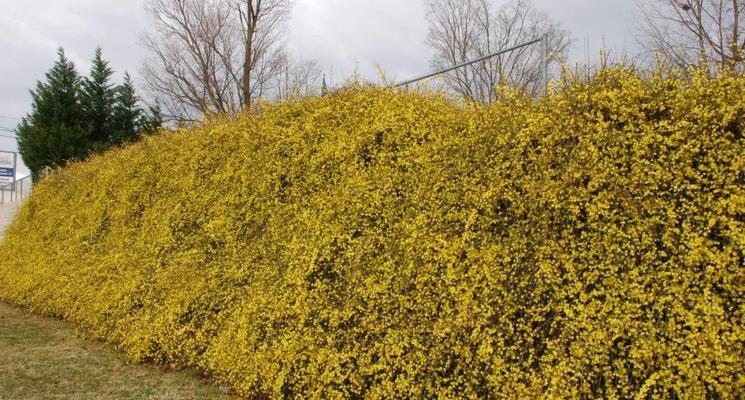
(42, 358)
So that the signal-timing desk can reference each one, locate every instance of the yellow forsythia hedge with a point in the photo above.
(377, 244)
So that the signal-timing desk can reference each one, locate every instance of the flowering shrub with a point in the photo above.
(376, 244)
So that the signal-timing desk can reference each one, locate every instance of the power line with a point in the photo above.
(4, 129)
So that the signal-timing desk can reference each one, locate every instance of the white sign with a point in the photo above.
(7, 167)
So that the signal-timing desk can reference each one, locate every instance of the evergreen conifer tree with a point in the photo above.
(71, 117)
(54, 131)
(98, 100)
(127, 114)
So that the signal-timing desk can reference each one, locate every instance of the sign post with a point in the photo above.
(8, 167)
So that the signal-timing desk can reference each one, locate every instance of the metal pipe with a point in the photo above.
(442, 71)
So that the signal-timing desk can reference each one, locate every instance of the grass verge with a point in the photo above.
(42, 358)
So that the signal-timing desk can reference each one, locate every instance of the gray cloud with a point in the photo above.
(356, 35)
(345, 36)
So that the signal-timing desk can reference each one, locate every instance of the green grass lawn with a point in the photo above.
(42, 358)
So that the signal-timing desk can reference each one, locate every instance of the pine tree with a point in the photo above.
(127, 114)
(54, 131)
(98, 99)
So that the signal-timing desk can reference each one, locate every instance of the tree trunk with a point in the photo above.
(248, 57)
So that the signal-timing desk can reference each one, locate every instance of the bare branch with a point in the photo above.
(460, 30)
(688, 33)
(213, 56)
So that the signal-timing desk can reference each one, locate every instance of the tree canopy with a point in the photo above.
(55, 130)
(72, 117)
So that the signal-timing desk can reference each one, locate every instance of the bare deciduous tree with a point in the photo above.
(213, 56)
(261, 22)
(462, 30)
(298, 78)
(687, 33)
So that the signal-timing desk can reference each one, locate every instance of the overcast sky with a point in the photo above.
(344, 36)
